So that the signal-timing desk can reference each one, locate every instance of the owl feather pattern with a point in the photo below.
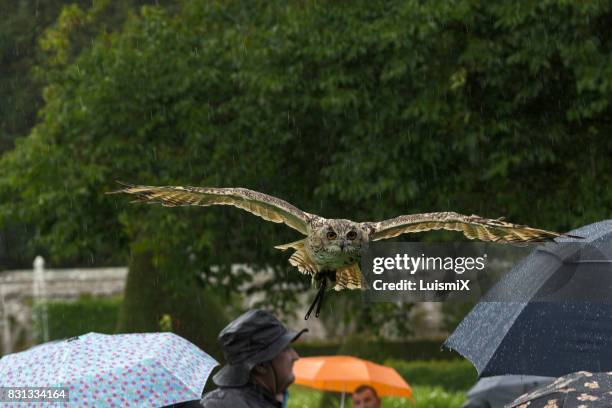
(332, 249)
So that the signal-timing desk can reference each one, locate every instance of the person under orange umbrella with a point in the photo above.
(346, 373)
(365, 396)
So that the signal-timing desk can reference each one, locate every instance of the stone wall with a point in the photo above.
(19, 290)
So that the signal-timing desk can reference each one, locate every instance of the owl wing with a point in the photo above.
(472, 226)
(265, 206)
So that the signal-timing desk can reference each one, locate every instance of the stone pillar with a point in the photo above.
(7, 343)
(40, 297)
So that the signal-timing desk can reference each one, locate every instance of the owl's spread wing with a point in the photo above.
(472, 226)
(265, 206)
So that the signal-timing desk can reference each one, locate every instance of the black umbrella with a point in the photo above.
(577, 390)
(550, 315)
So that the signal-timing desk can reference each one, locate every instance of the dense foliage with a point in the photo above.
(364, 109)
(38, 39)
(29, 29)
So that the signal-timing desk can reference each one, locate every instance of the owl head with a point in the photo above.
(338, 235)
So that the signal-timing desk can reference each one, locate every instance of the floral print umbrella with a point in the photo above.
(125, 370)
(577, 390)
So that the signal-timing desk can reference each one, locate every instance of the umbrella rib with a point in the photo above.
(464, 353)
(62, 372)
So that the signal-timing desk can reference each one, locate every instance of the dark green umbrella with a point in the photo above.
(550, 315)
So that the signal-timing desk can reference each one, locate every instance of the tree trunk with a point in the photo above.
(152, 292)
(141, 308)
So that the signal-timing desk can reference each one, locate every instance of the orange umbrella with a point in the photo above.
(345, 373)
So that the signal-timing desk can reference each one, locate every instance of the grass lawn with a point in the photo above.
(425, 397)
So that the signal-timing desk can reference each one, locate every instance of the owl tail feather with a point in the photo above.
(349, 278)
(300, 258)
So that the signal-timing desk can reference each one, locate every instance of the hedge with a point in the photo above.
(457, 375)
(72, 318)
(379, 351)
(424, 397)
(421, 362)
(438, 382)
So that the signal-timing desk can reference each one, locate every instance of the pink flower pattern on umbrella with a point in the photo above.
(125, 370)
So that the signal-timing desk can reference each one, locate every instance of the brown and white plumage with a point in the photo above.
(265, 206)
(472, 226)
(332, 248)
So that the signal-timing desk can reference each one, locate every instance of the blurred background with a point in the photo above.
(348, 109)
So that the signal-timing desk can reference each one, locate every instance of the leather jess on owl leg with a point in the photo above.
(318, 301)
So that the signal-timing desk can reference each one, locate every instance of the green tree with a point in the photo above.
(171, 117)
(364, 109)
(36, 40)
(24, 22)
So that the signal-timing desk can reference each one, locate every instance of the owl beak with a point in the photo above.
(342, 245)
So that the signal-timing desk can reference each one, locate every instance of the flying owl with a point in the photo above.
(332, 249)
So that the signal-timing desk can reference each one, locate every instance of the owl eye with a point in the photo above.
(331, 235)
(351, 235)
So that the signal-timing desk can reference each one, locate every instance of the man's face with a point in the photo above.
(365, 399)
(283, 366)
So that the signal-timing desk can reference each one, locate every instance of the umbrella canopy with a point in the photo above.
(151, 369)
(577, 390)
(345, 373)
(542, 334)
(501, 389)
